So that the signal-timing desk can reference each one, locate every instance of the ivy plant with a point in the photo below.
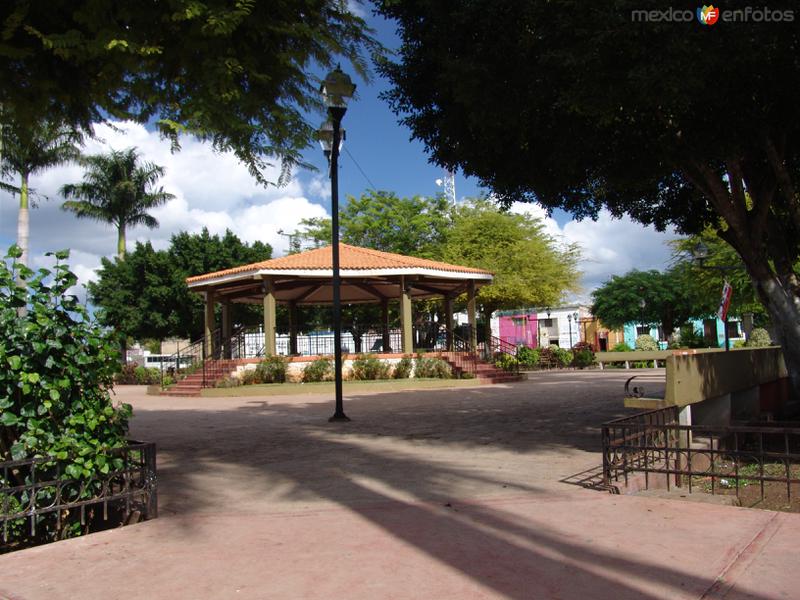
(56, 370)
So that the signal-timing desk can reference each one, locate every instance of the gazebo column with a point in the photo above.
(269, 317)
(405, 316)
(226, 329)
(448, 323)
(293, 322)
(471, 316)
(387, 343)
(208, 329)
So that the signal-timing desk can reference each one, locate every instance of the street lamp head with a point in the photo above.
(700, 252)
(548, 312)
(576, 316)
(337, 89)
(642, 303)
(569, 317)
(325, 138)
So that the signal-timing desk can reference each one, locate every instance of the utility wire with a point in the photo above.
(358, 166)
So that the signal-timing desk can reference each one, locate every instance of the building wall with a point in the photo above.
(534, 327)
(700, 325)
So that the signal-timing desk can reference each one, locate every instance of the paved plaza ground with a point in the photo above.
(426, 494)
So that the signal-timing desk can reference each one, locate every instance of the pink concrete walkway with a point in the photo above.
(441, 494)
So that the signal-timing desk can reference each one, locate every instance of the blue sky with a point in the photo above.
(217, 192)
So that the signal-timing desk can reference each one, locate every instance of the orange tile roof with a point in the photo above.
(350, 258)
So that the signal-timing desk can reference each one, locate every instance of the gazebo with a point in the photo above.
(367, 276)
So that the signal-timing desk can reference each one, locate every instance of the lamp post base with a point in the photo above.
(338, 417)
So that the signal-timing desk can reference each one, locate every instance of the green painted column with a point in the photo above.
(268, 287)
(448, 323)
(387, 343)
(294, 320)
(209, 324)
(472, 317)
(405, 316)
(227, 329)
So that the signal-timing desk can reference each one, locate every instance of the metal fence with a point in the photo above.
(38, 500)
(719, 460)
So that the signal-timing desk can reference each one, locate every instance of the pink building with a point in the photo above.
(519, 329)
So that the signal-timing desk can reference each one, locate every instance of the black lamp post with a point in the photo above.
(642, 304)
(336, 90)
(539, 337)
(701, 254)
(569, 320)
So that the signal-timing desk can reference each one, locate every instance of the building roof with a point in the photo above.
(353, 260)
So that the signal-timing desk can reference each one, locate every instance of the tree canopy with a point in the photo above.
(119, 190)
(666, 301)
(530, 267)
(25, 151)
(673, 123)
(240, 74)
(145, 294)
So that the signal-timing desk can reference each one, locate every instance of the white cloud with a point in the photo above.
(211, 189)
(609, 246)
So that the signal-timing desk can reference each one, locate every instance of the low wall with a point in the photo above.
(735, 385)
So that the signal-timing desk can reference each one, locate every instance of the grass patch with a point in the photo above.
(325, 387)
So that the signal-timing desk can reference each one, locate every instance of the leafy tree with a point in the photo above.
(530, 268)
(383, 221)
(29, 150)
(116, 189)
(240, 74)
(666, 302)
(56, 369)
(410, 226)
(704, 281)
(618, 113)
(145, 295)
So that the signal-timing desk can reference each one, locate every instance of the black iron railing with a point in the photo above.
(38, 501)
(719, 460)
(501, 352)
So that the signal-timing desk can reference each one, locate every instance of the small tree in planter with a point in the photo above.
(56, 369)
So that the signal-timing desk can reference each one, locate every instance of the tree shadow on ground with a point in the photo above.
(388, 467)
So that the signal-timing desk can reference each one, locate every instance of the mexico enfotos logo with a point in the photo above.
(710, 15)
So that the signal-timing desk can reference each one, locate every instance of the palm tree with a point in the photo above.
(117, 190)
(26, 152)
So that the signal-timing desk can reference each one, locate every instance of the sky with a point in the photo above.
(215, 191)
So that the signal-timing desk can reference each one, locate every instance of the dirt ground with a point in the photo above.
(465, 494)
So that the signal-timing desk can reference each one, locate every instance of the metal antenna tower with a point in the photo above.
(449, 185)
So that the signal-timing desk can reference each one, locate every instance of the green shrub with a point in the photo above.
(759, 338)
(127, 374)
(504, 361)
(563, 356)
(582, 358)
(320, 369)
(229, 382)
(273, 369)
(403, 368)
(56, 369)
(528, 357)
(622, 347)
(368, 367)
(691, 338)
(251, 377)
(429, 368)
(646, 343)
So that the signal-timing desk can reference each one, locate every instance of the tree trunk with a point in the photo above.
(121, 242)
(784, 309)
(23, 220)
